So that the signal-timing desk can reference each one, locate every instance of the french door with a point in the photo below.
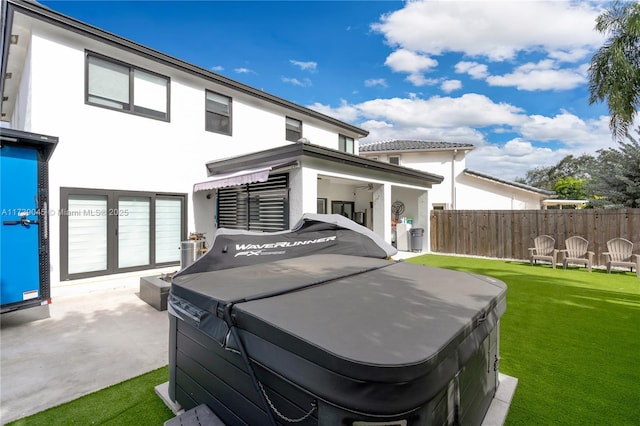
(105, 232)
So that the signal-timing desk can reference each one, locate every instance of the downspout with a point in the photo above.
(453, 180)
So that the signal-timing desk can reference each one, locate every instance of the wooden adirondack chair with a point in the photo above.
(576, 251)
(620, 254)
(545, 249)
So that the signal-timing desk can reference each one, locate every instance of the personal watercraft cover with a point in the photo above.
(313, 234)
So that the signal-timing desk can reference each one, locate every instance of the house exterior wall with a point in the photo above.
(475, 193)
(105, 149)
(459, 191)
(447, 164)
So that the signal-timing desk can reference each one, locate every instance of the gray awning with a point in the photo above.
(234, 179)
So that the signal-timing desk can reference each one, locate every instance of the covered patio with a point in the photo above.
(269, 190)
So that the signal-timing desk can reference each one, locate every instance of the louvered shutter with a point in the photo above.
(259, 206)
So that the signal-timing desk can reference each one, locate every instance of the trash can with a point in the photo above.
(416, 239)
(190, 251)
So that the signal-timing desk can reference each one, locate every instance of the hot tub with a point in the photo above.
(332, 339)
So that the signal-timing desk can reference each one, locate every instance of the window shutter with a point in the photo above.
(260, 206)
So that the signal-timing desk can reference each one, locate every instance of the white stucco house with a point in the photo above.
(461, 188)
(151, 148)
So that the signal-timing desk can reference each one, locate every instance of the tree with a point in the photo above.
(570, 166)
(616, 178)
(614, 73)
(570, 188)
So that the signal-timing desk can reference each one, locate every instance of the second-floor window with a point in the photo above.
(294, 129)
(345, 144)
(120, 86)
(218, 113)
(394, 160)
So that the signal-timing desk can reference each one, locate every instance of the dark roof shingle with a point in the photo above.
(412, 145)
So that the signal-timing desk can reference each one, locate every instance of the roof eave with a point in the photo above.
(296, 151)
(400, 151)
(537, 191)
(45, 14)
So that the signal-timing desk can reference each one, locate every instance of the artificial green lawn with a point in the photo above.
(130, 403)
(571, 338)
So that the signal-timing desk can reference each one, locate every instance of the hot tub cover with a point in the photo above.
(362, 332)
(313, 234)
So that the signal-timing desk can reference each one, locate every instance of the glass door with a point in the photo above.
(344, 208)
(134, 228)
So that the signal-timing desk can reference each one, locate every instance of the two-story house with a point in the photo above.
(462, 188)
(151, 148)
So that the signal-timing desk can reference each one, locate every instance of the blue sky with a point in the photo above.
(510, 77)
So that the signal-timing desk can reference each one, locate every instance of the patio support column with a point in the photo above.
(424, 220)
(382, 211)
(303, 193)
(310, 192)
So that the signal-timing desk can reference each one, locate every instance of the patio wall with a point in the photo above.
(507, 234)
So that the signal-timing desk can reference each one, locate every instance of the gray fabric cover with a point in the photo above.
(314, 233)
(349, 327)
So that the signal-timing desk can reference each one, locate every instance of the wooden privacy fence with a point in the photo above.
(507, 234)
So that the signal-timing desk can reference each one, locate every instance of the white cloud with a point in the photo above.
(574, 132)
(244, 71)
(512, 160)
(403, 60)
(374, 125)
(496, 30)
(474, 69)
(305, 82)
(345, 112)
(376, 82)
(476, 119)
(518, 148)
(305, 66)
(420, 80)
(217, 68)
(543, 75)
(381, 130)
(413, 63)
(449, 86)
(468, 110)
(499, 31)
(571, 55)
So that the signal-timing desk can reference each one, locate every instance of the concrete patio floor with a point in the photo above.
(93, 335)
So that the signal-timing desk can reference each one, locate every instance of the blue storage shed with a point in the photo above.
(24, 227)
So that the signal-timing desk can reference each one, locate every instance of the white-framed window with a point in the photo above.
(293, 129)
(346, 144)
(116, 85)
(439, 206)
(394, 160)
(218, 113)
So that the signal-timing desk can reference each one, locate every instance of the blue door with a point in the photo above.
(19, 230)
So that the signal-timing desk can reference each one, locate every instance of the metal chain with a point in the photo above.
(282, 416)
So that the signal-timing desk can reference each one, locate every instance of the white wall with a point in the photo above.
(443, 163)
(462, 192)
(105, 149)
(480, 194)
